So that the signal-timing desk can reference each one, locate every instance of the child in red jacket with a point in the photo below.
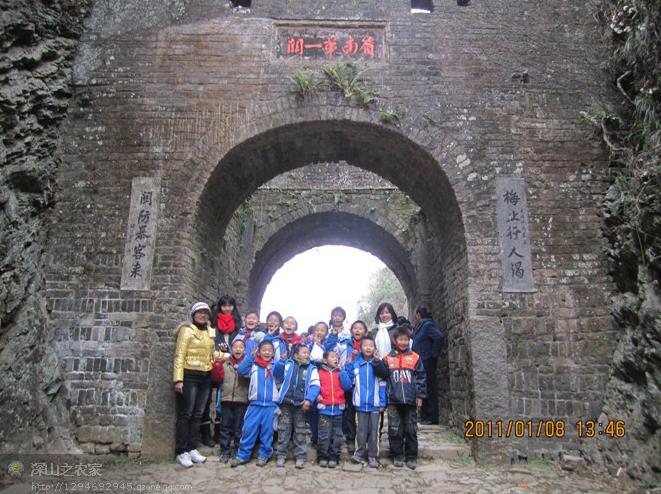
(330, 404)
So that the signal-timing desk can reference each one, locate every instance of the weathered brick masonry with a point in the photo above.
(196, 96)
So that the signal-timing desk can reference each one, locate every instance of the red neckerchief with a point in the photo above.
(356, 350)
(264, 364)
(234, 361)
(294, 339)
(226, 323)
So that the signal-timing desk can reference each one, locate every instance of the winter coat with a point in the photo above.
(329, 344)
(406, 378)
(332, 385)
(369, 386)
(194, 350)
(284, 372)
(235, 387)
(262, 390)
(427, 339)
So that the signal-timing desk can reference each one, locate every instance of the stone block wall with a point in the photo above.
(196, 96)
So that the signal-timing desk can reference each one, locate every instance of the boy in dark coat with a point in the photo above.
(406, 391)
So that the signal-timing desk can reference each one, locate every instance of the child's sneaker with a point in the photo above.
(300, 463)
(261, 462)
(398, 462)
(358, 459)
(373, 462)
(280, 462)
(412, 464)
(332, 463)
(184, 460)
(196, 457)
(224, 457)
(236, 461)
(323, 463)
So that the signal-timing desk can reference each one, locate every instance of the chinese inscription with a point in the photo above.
(512, 213)
(140, 234)
(65, 469)
(330, 42)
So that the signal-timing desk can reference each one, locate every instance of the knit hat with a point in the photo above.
(199, 306)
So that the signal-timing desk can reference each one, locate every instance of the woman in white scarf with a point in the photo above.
(385, 320)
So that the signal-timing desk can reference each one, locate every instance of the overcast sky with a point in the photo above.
(312, 283)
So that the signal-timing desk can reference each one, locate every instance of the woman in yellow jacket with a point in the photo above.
(193, 360)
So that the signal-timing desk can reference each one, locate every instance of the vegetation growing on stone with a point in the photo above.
(305, 83)
(632, 213)
(391, 116)
(344, 77)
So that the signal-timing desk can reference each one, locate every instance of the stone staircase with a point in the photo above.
(435, 442)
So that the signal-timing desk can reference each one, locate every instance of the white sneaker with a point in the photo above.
(196, 457)
(184, 460)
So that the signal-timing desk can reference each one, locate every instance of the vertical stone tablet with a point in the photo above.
(515, 255)
(140, 233)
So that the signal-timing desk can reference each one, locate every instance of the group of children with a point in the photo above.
(337, 383)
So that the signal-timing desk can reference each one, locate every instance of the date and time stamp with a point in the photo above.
(542, 428)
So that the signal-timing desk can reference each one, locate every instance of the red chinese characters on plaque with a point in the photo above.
(355, 43)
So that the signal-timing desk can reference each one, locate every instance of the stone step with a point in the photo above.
(434, 442)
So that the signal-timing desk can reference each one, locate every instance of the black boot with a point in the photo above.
(205, 432)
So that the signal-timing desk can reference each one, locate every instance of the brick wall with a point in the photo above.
(198, 98)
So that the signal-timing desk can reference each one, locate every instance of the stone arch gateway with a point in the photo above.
(293, 138)
(200, 105)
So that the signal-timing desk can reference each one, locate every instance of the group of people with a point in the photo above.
(271, 385)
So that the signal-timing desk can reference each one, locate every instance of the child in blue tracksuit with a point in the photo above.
(263, 396)
(368, 376)
(298, 393)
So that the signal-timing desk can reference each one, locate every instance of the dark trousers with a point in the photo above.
(206, 424)
(349, 425)
(291, 426)
(231, 425)
(430, 407)
(368, 434)
(402, 431)
(330, 437)
(313, 415)
(190, 408)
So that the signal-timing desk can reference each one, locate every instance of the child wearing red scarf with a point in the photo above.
(234, 399)
(287, 338)
(227, 322)
(358, 330)
(264, 395)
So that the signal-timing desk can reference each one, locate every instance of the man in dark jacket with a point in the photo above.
(427, 342)
(406, 392)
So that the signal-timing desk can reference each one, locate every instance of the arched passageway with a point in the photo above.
(257, 158)
(329, 229)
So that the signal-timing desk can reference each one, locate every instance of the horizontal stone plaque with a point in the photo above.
(331, 41)
(140, 234)
(515, 255)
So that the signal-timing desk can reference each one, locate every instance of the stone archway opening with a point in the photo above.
(309, 284)
(320, 229)
(438, 279)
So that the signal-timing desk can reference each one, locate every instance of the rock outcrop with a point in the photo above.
(39, 39)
